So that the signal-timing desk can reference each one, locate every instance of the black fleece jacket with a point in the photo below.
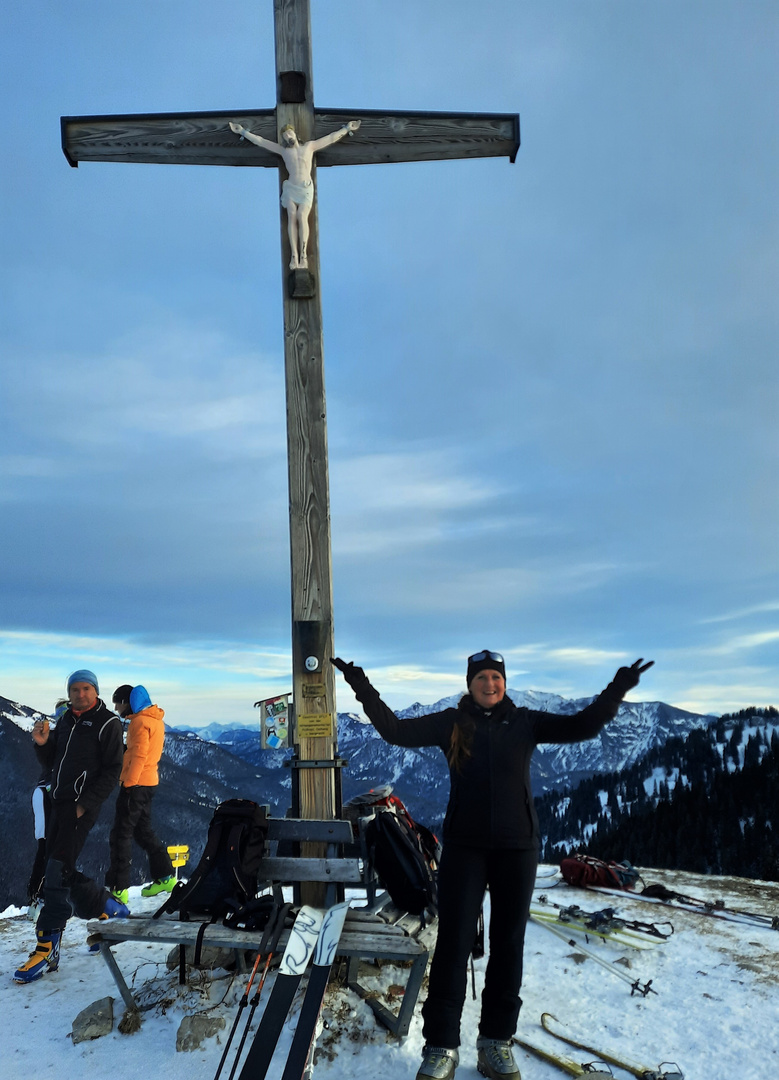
(85, 755)
(490, 799)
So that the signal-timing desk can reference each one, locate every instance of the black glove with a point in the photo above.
(355, 676)
(627, 677)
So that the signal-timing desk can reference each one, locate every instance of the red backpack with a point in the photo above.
(584, 870)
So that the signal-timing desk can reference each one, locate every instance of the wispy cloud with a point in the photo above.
(742, 613)
(175, 383)
(199, 680)
(415, 480)
(407, 499)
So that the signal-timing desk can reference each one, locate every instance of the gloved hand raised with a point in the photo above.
(355, 676)
(628, 677)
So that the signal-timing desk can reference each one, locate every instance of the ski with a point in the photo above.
(680, 902)
(592, 1069)
(607, 917)
(600, 924)
(667, 1070)
(324, 956)
(267, 948)
(302, 940)
(578, 926)
(636, 987)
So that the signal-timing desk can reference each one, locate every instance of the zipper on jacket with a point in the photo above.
(62, 760)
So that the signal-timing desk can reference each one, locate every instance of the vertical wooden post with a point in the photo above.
(205, 139)
(309, 499)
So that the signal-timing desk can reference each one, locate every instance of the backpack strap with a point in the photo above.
(199, 941)
(178, 898)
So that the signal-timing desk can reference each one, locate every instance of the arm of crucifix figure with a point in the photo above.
(335, 136)
(257, 139)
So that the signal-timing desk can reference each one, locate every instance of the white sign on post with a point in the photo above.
(274, 722)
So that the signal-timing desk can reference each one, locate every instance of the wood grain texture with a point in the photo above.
(176, 139)
(292, 27)
(386, 137)
(206, 139)
(360, 937)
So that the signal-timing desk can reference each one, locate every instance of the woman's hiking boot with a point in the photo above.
(44, 957)
(161, 885)
(438, 1063)
(496, 1060)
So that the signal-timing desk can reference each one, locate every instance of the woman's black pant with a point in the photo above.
(132, 821)
(464, 875)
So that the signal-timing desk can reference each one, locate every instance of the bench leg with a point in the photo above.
(113, 967)
(399, 1024)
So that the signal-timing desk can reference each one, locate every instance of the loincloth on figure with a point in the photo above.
(300, 194)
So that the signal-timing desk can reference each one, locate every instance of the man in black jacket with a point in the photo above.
(84, 752)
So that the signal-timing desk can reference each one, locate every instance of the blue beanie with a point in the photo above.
(83, 675)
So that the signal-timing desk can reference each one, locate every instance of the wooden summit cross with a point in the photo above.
(206, 139)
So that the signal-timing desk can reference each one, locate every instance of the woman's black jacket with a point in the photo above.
(490, 799)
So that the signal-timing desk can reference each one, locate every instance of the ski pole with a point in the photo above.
(276, 934)
(275, 916)
(241, 1006)
(635, 985)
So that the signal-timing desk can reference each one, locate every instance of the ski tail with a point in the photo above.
(559, 1030)
(270, 940)
(324, 956)
(302, 940)
(268, 946)
(594, 1070)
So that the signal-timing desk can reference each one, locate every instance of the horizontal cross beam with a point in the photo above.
(205, 138)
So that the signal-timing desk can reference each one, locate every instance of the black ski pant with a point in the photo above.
(66, 835)
(132, 821)
(464, 875)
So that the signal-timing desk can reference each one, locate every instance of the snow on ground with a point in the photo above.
(715, 1012)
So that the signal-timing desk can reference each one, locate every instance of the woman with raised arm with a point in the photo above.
(490, 840)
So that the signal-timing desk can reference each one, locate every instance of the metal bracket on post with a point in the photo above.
(325, 763)
(309, 639)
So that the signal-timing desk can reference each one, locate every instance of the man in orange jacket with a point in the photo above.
(137, 784)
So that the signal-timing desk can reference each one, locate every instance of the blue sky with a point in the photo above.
(551, 386)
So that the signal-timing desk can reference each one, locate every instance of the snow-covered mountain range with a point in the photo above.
(201, 768)
(420, 777)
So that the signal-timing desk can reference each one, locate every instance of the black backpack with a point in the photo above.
(226, 879)
(397, 850)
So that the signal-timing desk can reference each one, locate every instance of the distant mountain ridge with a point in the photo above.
(421, 777)
(705, 802)
(195, 776)
(202, 767)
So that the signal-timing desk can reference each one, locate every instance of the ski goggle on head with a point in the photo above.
(485, 654)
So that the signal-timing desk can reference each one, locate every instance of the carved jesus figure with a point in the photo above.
(297, 193)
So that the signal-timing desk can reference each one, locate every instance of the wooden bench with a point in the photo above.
(374, 931)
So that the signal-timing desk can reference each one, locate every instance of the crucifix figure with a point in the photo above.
(383, 137)
(297, 192)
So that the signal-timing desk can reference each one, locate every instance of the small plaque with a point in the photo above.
(274, 722)
(315, 726)
(301, 284)
(292, 85)
(313, 690)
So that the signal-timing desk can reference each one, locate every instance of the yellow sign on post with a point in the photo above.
(179, 855)
(315, 726)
